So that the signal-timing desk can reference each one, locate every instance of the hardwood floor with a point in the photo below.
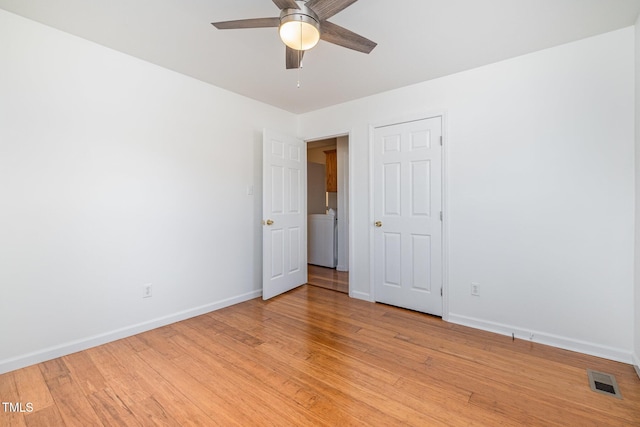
(328, 278)
(317, 357)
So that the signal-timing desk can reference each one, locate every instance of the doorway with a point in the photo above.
(328, 212)
(328, 278)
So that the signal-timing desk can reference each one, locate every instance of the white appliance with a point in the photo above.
(321, 240)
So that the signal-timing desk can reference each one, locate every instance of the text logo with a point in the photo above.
(17, 407)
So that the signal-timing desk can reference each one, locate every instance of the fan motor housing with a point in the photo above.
(303, 14)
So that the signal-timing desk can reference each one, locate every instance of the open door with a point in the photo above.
(284, 219)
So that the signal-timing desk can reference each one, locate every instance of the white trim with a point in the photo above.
(445, 216)
(445, 199)
(372, 276)
(636, 363)
(328, 136)
(53, 352)
(584, 347)
(351, 222)
(406, 118)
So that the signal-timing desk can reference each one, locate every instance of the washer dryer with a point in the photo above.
(321, 240)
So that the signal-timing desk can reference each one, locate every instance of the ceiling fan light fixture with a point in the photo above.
(298, 29)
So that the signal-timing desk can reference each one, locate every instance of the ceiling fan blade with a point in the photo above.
(286, 4)
(293, 58)
(336, 34)
(325, 9)
(247, 23)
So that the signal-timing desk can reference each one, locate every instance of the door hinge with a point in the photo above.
(440, 291)
(440, 215)
(440, 139)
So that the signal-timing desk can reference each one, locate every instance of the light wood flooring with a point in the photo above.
(317, 357)
(328, 278)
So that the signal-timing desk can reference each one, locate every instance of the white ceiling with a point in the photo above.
(417, 40)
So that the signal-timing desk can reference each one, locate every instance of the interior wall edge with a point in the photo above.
(54, 352)
(636, 364)
(592, 349)
(636, 322)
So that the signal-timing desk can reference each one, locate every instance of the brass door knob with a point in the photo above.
(378, 224)
(269, 222)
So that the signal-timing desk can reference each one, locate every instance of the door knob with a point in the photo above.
(378, 224)
(269, 222)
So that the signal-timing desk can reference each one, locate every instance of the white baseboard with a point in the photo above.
(592, 349)
(43, 355)
(636, 363)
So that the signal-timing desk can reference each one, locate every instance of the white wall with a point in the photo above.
(115, 173)
(636, 323)
(540, 182)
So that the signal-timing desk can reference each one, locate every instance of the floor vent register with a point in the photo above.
(603, 383)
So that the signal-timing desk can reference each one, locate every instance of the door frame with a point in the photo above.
(351, 237)
(445, 199)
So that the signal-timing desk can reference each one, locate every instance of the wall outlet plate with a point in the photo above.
(475, 289)
(147, 291)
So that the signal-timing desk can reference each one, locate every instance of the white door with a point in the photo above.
(284, 229)
(407, 214)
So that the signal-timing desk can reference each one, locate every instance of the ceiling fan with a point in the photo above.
(302, 23)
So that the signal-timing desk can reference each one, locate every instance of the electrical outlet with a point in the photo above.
(146, 291)
(475, 289)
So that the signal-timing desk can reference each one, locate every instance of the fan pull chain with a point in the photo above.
(299, 59)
